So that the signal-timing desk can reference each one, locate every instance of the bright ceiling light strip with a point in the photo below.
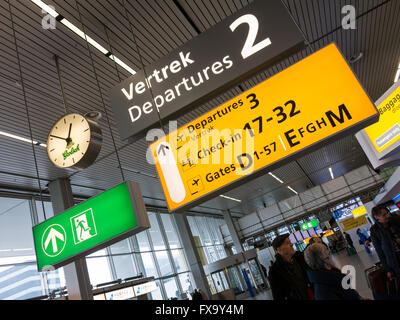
(291, 189)
(80, 33)
(46, 8)
(226, 197)
(122, 64)
(13, 136)
(274, 176)
(330, 171)
(397, 77)
(84, 36)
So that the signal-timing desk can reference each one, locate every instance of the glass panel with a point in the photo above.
(213, 232)
(186, 283)
(155, 233)
(19, 282)
(221, 252)
(124, 266)
(101, 252)
(203, 257)
(244, 266)
(234, 280)
(211, 285)
(179, 260)
(205, 237)
(212, 254)
(99, 271)
(53, 280)
(234, 251)
(16, 239)
(143, 242)
(193, 228)
(170, 231)
(148, 264)
(120, 247)
(224, 281)
(171, 288)
(219, 286)
(283, 230)
(256, 272)
(156, 294)
(163, 263)
(48, 208)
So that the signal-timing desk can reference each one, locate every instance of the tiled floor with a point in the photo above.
(360, 261)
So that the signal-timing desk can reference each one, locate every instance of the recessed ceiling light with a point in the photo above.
(291, 189)
(229, 198)
(81, 34)
(13, 136)
(46, 8)
(330, 171)
(397, 77)
(275, 177)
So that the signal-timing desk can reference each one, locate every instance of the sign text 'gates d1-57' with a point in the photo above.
(89, 226)
(248, 41)
(315, 100)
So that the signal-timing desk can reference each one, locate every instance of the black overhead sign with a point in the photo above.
(244, 43)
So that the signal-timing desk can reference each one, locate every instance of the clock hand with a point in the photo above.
(57, 137)
(69, 132)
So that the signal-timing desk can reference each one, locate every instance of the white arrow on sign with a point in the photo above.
(53, 234)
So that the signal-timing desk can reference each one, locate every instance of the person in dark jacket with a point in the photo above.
(349, 240)
(325, 277)
(385, 236)
(288, 276)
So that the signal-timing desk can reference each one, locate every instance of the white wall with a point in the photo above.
(265, 256)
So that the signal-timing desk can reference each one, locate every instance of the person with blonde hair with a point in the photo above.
(325, 277)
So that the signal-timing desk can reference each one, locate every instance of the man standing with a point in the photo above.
(349, 240)
(288, 275)
(385, 236)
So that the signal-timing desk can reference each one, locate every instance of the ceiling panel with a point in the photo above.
(140, 32)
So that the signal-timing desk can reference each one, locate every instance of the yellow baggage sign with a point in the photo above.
(385, 134)
(314, 101)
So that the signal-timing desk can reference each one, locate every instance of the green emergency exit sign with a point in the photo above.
(90, 226)
(309, 225)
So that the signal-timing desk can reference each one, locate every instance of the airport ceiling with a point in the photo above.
(160, 27)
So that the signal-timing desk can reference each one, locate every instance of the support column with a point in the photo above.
(76, 273)
(236, 240)
(192, 254)
(232, 230)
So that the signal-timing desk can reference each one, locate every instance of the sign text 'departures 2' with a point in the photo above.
(240, 45)
(315, 100)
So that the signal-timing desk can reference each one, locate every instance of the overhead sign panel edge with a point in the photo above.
(90, 226)
(316, 100)
(381, 140)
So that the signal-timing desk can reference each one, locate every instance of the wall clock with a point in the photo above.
(74, 141)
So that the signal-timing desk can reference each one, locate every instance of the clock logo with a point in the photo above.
(74, 141)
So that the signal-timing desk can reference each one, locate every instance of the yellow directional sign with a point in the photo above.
(385, 133)
(358, 212)
(312, 101)
(353, 223)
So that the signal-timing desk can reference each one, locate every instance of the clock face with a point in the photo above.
(68, 140)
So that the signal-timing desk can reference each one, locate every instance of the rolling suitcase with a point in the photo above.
(382, 288)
